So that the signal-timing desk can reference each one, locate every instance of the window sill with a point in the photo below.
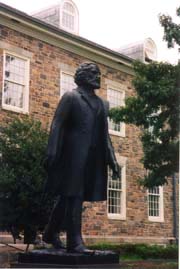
(116, 217)
(156, 219)
(116, 133)
(15, 109)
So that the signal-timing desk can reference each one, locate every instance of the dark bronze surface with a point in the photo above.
(79, 151)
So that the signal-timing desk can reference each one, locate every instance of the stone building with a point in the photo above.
(37, 63)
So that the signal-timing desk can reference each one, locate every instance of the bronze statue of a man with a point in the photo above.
(79, 151)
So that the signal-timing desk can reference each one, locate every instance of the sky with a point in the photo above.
(115, 23)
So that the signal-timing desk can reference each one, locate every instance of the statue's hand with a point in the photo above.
(116, 171)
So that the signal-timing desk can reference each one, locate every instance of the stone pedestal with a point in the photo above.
(51, 258)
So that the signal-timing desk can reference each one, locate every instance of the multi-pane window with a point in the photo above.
(155, 204)
(116, 99)
(116, 195)
(16, 83)
(68, 16)
(67, 83)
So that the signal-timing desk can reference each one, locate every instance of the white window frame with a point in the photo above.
(151, 127)
(61, 75)
(121, 216)
(122, 124)
(76, 17)
(25, 108)
(159, 218)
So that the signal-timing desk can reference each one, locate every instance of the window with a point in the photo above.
(116, 99)
(69, 17)
(116, 203)
(154, 118)
(155, 204)
(15, 83)
(67, 82)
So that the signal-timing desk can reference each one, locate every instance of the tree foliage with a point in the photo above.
(22, 146)
(171, 29)
(155, 109)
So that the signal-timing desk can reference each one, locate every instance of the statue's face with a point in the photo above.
(93, 78)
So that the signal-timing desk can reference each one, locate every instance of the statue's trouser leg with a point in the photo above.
(56, 222)
(74, 235)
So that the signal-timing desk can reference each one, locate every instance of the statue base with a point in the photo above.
(52, 258)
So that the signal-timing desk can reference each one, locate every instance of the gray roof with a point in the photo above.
(22, 15)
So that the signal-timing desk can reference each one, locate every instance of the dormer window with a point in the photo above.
(69, 17)
(64, 15)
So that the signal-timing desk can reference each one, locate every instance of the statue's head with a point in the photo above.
(88, 76)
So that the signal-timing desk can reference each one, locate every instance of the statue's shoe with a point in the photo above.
(54, 240)
(80, 249)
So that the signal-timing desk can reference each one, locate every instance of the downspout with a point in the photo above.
(175, 231)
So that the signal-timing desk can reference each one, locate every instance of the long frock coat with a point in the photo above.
(79, 147)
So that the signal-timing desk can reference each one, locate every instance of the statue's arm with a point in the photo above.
(112, 161)
(57, 128)
(111, 155)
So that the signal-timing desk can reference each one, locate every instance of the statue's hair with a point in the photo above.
(82, 73)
